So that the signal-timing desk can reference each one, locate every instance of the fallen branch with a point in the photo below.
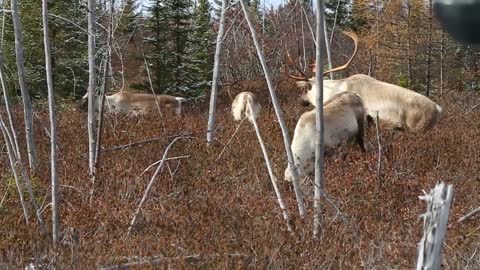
(160, 259)
(469, 215)
(228, 143)
(154, 261)
(121, 147)
(147, 191)
(158, 161)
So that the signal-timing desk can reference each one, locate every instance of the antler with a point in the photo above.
(303, 76)
(353, 36)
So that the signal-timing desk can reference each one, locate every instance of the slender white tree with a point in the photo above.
(278, 112)
(53, 126)
(216, 68)
(319, 135)
(91, 91)
(15, 153)
(27, 103)
(327, 46)
(106, 72)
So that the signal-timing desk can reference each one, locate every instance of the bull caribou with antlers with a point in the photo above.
(397, 107)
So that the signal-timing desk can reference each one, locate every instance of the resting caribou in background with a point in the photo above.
(138, 103)
(397, 107)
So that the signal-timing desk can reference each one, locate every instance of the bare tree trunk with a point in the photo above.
(442, 61)
(319, 134)
(216, 69)
(280, 200)
(53, 127)
(327, 46)
(104, 86)
(18, 161)
(409, 44)
(13, 161)
(27, 103)
(429, 54)
(2, 40)
(91, 91)
(278, 112)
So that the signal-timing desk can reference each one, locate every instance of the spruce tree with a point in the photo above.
(129, 18)
(202, 44)
(170, 31)
(343, 12)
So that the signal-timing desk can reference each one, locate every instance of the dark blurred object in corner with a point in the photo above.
(461, 18)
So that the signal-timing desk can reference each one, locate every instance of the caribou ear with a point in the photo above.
(304, 85)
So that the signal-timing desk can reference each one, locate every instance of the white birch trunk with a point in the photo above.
(91, 91)
(278, 112)
(434, 227)
(327, 46)
(53, 127)
(442, 61)
(104, 86)
(216, 68)
(280, 200)
(13, 161)
(319, 134)
(12, 134)
(27, 103)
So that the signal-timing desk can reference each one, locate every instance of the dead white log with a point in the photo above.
(434, 226)
(53, 127)
(245, 106)
(216, 68)
(278, 112)
(27, 103)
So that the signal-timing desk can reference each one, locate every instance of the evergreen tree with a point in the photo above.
(68, 47)
(170, 30)
(343, 12)
(202, 41)
(130, 18)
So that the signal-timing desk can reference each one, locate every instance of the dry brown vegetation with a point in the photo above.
(225, 213)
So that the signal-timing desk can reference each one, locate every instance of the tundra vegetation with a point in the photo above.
(214, 206)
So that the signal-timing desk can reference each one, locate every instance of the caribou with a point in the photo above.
(344, 121)
(138, 103)
(397, 107)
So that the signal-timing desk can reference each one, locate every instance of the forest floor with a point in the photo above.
(221, 213)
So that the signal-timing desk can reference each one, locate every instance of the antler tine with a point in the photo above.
(353, 36)
(303, 76)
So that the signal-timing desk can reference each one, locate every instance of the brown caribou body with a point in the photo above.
(139, 103)
(397, 107)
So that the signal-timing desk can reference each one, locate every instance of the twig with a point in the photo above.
(121, 147)
(147, 191)
(167, 159)
(154, 261)
(228, 143)
(469, 215)
(379, 164)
